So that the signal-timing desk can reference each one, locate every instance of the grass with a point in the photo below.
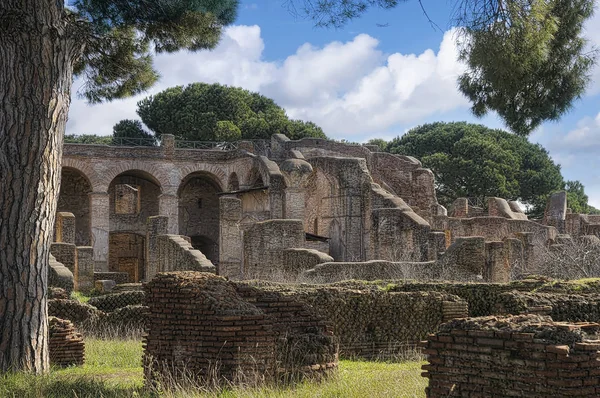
(113, 370)
(81, 297)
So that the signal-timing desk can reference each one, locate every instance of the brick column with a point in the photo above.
(64, 228)
(155, 226)
(99, 220)
(168, 205)
(85, 268)
(230, 237)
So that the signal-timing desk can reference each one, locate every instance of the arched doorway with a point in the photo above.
(133, 197)
(126, 254)
(199, 213)
(74, 198)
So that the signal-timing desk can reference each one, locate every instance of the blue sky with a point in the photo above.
(358, 82)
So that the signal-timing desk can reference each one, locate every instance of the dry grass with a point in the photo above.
(113, 370)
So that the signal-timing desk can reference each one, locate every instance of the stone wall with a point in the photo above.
(175, 253)
(74, 198)
(264, 243)
(527, 356)
(298, 260)
(368, 271)
(560, 306)
(201, 327)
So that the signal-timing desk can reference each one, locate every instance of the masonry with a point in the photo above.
(243, 208)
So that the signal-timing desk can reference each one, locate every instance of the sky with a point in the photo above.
(376, 77)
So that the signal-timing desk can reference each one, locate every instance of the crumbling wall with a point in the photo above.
(522, 356)
(59, 275)
(65, 345)
(202, 327)
(175, 253)
(560, 306)
(264, 243)
(298, 260)
(370, 324)
(330, 272)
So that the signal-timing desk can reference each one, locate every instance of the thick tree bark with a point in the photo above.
(36, 58)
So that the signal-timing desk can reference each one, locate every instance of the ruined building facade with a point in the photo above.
(308, 207)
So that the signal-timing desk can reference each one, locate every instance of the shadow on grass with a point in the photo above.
(27, 386)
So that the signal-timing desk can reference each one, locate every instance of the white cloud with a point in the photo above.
(584, 138)
(350, 89)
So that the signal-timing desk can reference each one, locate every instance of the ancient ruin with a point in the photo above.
(311, 209)
(338, 249)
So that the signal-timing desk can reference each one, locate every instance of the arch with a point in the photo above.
(199, 212)
(234, 182)
(254, 177)
(133, 196)
(150, 170)
(74, 198)
(85, 169)
(215, 173)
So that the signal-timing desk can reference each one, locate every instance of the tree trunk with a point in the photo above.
(36, 59)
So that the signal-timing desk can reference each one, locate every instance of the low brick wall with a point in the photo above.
(521, 356)
(82, 315)
(561, 307)
(370, 323)
(66, 346)
(119, 277)
(114, 301)
(200, 325)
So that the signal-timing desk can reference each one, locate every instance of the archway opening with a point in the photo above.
(133, 197)
(126, 254)
(74, 198)
(199, 213)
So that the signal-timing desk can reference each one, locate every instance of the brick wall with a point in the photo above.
(524, 356)
(202, 325)
(119, 277)
(65, 345)
(371, 324)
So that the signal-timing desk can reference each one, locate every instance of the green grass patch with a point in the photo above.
(113, 370)
(80, 296)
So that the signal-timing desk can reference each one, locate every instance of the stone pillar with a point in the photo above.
(168, 205)
(528, 250)
(99, 220)
(294, 203)
(460, 208)
(497, 265)
(437, 245)
(556, 211)
(85, 268)
(64, 228)
(295, 173)
(168, 145)
(155, 226)
(230, 237)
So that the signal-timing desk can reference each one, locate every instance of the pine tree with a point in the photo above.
(43, 45)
